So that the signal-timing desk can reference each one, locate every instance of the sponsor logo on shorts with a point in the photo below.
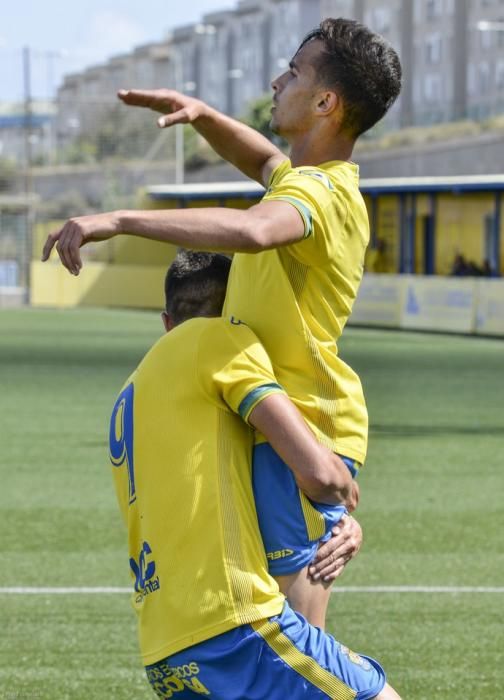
(355, 658)
(167, 680)
(279, 554)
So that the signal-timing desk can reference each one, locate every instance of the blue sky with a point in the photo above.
(66, 37)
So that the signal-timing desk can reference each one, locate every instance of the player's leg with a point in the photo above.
(388, 693)
(306, 596)
(291, 529)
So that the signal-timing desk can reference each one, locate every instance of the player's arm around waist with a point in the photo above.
(319, 473)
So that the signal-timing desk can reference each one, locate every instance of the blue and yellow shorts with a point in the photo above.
(291, 525)
(281, 657)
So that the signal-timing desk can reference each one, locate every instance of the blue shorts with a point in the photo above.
(291, 525)
(282, 657)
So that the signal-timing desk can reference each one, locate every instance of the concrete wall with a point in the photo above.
(93, 181)
(476, 155)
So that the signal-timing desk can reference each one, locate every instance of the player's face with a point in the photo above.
(295, 93)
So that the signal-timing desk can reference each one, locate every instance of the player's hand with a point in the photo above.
(353, 501)
(76, 233)
(334, 555)
(176, 107)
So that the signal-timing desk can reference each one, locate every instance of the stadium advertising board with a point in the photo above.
(490, 307)
(439, 304)
(412, 302)
(379, 301)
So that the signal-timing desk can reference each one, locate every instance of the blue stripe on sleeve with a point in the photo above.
(255, 396)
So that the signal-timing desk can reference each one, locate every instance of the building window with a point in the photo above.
(379, 20)
(432, 88)
(499, 74)
(471, 79)
(433, 49)
(433, 9)
(486, 39)
(484, 77)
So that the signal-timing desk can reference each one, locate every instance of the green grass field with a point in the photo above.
(431, 509)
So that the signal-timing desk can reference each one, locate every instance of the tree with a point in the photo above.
(258, 116)
(7, 175)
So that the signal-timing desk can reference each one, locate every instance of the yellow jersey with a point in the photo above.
(181, 453)
(297, 298)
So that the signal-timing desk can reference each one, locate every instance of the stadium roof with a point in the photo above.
(10, 121)
(374, 186)
(207, 190)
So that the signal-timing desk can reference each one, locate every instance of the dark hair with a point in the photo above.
(195, 285)
(362, 66)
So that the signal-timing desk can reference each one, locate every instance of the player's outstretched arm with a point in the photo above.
(319, 473)
(265, 225)
(240, 145)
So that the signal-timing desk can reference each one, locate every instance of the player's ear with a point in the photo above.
(328, 102)
(168, 322)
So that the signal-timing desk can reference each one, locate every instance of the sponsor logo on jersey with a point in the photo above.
(236, 321)
(144, 571)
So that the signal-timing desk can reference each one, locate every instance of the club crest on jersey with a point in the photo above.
(355, 658)
(144, 571)
(321, 177)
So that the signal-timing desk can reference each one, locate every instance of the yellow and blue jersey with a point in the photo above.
(297, 299)
(181, 455)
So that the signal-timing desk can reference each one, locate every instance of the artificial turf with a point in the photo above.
(431, 509)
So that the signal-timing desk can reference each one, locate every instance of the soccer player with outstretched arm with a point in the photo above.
(299, 252)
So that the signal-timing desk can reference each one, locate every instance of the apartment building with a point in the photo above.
(485, 64)
(453, 69)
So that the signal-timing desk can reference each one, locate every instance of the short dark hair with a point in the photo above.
(362, 66)
(195, 285)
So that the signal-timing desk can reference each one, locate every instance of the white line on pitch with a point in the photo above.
(86, 590)
(104, 590)
(418, 589)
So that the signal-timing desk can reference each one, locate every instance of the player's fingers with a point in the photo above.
(68, 247)
(49, 245)
(333, 575)
(62, 248)
(337, 544)
(139, 98)
(330, 569)
(158, 100)
(73, 250)
(181, 116)
(329, 563)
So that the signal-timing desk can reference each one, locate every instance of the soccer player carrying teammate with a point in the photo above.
(299, 252)
(211, 619)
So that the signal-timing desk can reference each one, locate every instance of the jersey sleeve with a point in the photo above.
(234, 368)
(321, 205)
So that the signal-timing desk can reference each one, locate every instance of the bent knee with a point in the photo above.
(388, 693)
